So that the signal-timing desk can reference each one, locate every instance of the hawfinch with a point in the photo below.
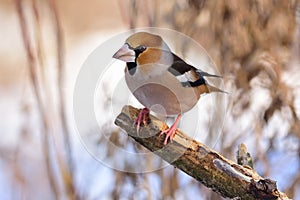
(160, 80)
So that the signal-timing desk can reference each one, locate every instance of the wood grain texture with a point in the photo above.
(199, 161)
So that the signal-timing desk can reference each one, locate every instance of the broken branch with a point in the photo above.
(199, 161)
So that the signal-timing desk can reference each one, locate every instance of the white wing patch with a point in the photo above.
(187, 77)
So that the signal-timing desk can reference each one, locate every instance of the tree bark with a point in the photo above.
(199, 161)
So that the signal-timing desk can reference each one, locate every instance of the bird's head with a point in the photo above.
(142, 48)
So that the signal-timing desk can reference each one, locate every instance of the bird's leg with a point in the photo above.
(142, 118)
(170, 132)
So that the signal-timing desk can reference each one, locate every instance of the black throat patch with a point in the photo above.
(131, 67)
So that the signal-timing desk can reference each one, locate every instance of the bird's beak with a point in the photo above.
(125, 54)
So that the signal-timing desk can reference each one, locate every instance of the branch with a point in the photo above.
(199, 161)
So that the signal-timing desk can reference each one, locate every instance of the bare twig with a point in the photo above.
(67, 174)
(199, 161)
(32, 65)
(39, 40)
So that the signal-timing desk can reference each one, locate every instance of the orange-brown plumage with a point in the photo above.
(159, 79)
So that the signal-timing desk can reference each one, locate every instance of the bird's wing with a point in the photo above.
(188, 75)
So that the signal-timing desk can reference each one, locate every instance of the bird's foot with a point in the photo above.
(170, 132)
(142, 118)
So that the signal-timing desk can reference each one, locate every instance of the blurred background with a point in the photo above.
(255, 44)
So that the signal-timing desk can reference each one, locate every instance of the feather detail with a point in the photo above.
(202, 73)
(214, 89)
(206, 88)
(189, 76)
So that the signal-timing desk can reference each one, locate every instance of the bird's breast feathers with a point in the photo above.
(155, 85)
(156, 76)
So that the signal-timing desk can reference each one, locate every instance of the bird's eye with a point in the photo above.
(140, 49)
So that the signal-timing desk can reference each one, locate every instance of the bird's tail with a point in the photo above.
(206, 88)
(203, 73)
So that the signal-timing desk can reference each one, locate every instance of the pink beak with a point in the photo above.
(125, 54)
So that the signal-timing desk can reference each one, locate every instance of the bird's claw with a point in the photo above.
(142, 118)
(170, 132)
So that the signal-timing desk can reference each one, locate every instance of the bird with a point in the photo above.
(160, 80)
